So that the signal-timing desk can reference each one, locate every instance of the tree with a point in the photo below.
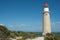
(50, 36)
(4, 32)
(32, 35)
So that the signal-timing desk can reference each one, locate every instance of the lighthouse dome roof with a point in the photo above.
(45, 4)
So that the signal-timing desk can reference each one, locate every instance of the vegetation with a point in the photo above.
(5, 34)
(52, 36)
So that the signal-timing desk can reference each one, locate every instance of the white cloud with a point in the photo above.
(55, 23)
(2, 24)
(10, 25)
(23, 25)
(20, 25)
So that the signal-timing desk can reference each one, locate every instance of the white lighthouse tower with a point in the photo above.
(46, 20)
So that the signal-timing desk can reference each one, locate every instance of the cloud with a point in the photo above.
(10, 25)
(23, 25)
(52, 23)
(55, 23)
(20, 25)
(2, 24)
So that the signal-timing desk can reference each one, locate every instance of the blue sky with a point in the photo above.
(27, 15)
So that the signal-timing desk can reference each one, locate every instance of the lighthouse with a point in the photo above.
(46, 20)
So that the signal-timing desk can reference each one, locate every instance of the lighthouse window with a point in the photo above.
(46, 14)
